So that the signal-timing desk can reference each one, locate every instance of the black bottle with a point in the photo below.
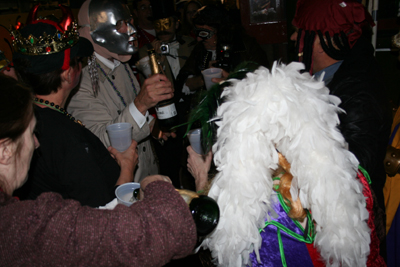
(205, 211)
(166, 111)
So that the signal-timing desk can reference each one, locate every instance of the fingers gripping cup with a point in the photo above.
(120, 135)
(210, 73)
(195, 140)
(124, 193)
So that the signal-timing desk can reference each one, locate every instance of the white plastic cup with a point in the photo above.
(210, 73)
(120, 135)
(195, 140)
(124, 193)
(144, 66)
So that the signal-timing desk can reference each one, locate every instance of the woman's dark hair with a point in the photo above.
(16, 108)
(41, 84)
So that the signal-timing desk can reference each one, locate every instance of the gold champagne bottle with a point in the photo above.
(166, 110)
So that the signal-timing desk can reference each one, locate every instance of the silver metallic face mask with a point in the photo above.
(108, 21)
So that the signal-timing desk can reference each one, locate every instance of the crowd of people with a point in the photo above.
(296, 165)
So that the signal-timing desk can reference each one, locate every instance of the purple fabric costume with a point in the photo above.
(295, 251)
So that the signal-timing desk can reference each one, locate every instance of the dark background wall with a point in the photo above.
(274, 38)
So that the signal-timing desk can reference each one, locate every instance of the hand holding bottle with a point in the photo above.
(157, 133)
(166, 135)
(154, 89)
(150, 179)
(166, 110)
(204, 210)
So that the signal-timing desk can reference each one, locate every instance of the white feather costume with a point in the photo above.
(295, 114)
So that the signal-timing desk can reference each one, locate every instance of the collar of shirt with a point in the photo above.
(328, 72)
(108, 63)
(173, 48)
(173, 60)
(174, 45)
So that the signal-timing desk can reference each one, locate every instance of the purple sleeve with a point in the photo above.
(52, 231)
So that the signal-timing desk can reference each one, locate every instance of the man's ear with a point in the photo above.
(317, 45)
(7, 150)
(177, 24)
(66, 75)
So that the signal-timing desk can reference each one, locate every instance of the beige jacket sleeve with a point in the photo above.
(107, 108)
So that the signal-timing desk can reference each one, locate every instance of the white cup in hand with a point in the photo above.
(210, 73)
(195, 140)
(120, 135)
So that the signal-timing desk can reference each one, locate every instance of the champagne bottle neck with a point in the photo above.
(155, 67)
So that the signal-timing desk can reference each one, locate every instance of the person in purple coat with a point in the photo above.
(52, 231)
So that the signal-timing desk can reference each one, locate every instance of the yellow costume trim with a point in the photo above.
(392, 185)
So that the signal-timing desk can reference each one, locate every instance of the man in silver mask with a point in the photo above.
(106, 20)
(109, 92)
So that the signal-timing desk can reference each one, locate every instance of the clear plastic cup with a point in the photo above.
(124, 193)
(195, 140)
(210, 73)
(144, 66)
(120, 135)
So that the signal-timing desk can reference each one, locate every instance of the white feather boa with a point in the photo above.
(295, 114)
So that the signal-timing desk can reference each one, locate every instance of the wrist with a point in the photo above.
(126, 176)
(200, 187)
(140, 107)
(127, 169)
(201, 182)
(123, 180)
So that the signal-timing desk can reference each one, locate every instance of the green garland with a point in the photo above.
(365, 174)
(310, 229)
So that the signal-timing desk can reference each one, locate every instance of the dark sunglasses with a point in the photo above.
(204, 33)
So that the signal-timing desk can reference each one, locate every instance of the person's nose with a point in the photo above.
(149, 12)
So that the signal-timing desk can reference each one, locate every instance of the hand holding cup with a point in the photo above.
(209, 74)
(120, 135)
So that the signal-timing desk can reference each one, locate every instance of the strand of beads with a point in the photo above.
(113, 85)
(57, 108)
